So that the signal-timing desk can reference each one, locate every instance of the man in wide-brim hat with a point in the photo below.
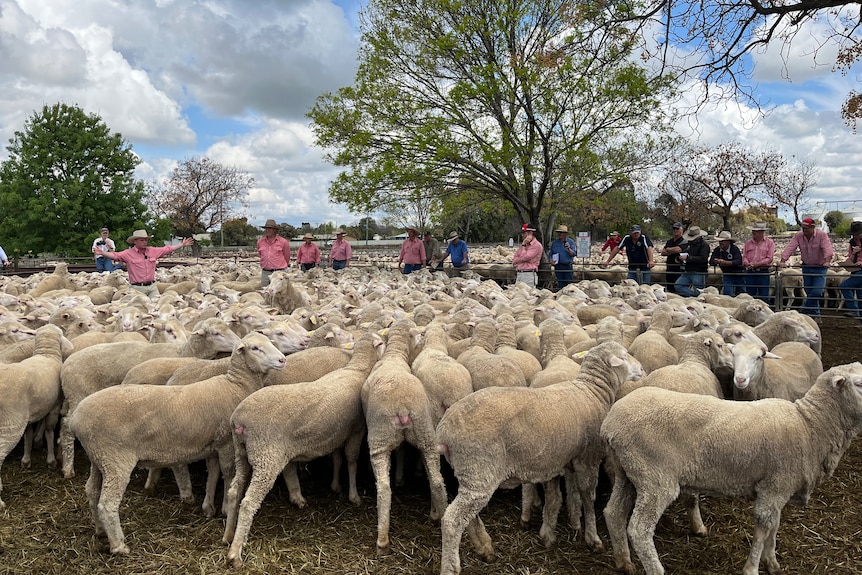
(412, 255)
(274, 252)
(562, 254)
(695, 259)
(758, 252)
(340, 252)
(728, 257)
(140, 260)
(460, 254)
(308, 254)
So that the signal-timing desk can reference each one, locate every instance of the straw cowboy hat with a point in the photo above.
(138, 235)
(414, 228)
(270, 224)
(694, 232)
(339, 232)
(725, 235)
(562, 229)
(309, 237)
(758, 226)
(453, 235)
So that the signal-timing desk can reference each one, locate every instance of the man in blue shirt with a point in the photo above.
(562, 254)
(457, 250)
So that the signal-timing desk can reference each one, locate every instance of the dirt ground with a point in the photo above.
(47, 526)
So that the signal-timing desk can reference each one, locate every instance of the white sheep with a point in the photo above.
(105, 365)
(652, 348)
(486, 368)
(507, 346)
(787, 372)
(770, 450)
(778, 328)
(280, 425)
(159, 426)
(397, 410)
(30, 392)
(445, 380)
(506, 436)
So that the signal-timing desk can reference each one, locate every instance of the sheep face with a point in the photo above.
(720, 354)
(748, 363)
(260, 353)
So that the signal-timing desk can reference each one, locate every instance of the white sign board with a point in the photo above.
(583, 244)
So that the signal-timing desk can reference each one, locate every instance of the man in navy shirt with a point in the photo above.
(562, 254)
(639, 251)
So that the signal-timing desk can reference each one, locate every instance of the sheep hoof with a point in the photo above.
(356, 500)
(384, 550)
(68, 474)
(595, 545)
(699, 531)
(25, 464)
(121, 549)
(52, 464)
(626, 567)
(486, 553)
(235, 561)
(298, 501)
(209, 511)
(2, 506)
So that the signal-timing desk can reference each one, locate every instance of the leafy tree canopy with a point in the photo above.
(522, 101)
(66, 177)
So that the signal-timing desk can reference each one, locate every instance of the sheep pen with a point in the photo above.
(48, 528)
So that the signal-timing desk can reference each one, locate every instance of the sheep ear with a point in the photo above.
(616, 361)
(838, 380)
(771, 355)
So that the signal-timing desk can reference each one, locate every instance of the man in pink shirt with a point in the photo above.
(308, 254)
(412, 256)
(274, 252)
(816, 251)
(341, 252)
(527, 257)
(757, 255)
(141, 259)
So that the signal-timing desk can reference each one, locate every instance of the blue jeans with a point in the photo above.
(564, 274)
(639, 270)
(732, 283)
(757, 285)
(339, 264)
(410, 268)
(103, 264)
(689, 284)
(851, 290)
(813, 281)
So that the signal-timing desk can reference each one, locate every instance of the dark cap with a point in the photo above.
(634, 228)
(528, 228)
(427, 233)
(677, 225)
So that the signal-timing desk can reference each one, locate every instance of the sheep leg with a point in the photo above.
(291, 479)
(439, 499)
(553, 502)
(587, 479)
(337, 460)
(227, 466)
(695, 521)
(351, 450)
(50, 424)
(153, 476)
(464, 511)
(242, 470)
(28, 447)
(93, 489)
(529, 497)
(650, 503)
(67, 448)
(617, 512)
(114, 483)
(263, 477)
(208, 505)
(573, 499)
(380, 463)
(767, 517)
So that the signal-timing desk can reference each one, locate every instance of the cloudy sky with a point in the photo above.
(233, 80)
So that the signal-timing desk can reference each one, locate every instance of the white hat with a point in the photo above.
(694, 232)
(138, 235)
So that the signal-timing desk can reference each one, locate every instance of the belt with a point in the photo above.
(339, 261)
(526, 271)
(142, 283)
(274, 270)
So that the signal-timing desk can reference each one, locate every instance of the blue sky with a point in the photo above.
(233, 80)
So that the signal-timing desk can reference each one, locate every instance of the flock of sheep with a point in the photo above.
(513, 386)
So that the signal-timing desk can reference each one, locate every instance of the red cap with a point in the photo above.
(808, 223)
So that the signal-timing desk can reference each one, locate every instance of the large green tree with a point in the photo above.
(521, 101)
(67, 175)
